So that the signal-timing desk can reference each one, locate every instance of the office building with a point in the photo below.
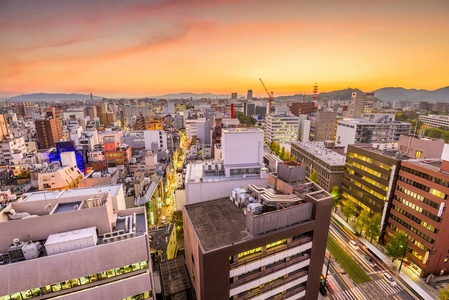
(318, 156)
(49, 131)
(56, 177)
(359, 131)
(267, 242)
(418, 210)
(302, 108)
(435, 121)
(414, 147)
(4, 132)
(73, 248)
(281, 128)
(249, 96)
(323, 126)
(361, 105)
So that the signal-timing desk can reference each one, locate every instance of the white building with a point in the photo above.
(361, 105)
(435, 121)
(357, 131)
(155, 140)
(242, 164)
(13, 148)
(281, 128)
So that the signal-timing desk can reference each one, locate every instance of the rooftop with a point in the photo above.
(369, 122)
(113, 189)
(431, 164)
(218, 223)
(242, 130)
(318, 150)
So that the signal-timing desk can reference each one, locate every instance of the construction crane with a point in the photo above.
(270, 96)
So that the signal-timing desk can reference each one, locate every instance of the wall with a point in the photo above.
(345, 135)
(244, 147)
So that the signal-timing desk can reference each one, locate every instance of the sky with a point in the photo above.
(139, 48)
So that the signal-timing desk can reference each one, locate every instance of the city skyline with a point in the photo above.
(141, 48)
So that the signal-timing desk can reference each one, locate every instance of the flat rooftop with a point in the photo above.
(195, 173)
(113, 189)
(369, 122)
(318, 150)
(218, 223)
(431, 164)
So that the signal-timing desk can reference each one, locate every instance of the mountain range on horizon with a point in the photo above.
(386, 94)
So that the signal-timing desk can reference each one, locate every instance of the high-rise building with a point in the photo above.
(49, 131)
(361, 105)
(249, 96)
(281, 128)
(323, 126)
(234, 96)
(261, 244)
(301, 108)
(4, 132)
(418, 210)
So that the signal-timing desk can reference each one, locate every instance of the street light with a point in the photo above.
(403, 255)
(328, 263)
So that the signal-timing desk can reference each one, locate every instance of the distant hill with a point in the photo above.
(192, 95)
(334, 95)
(52, 97)
(400, 94)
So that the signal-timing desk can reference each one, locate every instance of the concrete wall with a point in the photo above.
(345, 135)
(203, 191)
(242, 147)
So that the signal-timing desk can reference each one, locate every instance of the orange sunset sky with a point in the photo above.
(146, 48)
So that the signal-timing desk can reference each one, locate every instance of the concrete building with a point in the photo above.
(359, 131)
(56, 177)
(155, 140)
(281, 128)
(361, 105)
(12, 149)
(418, 210)
(49, 131)
(323, 126)
(73, 248)
(420, 147)
(4, 132)
(317, 156)
(270, 247)
(435, 121)
(300, 108)
(242, 164)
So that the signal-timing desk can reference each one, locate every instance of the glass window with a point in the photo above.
(16, 296)
(119, 271)
(65, 285)
(93, 278)
(75, 282)
(128, 269)
(136, 267)
(102, 275)
(110, 273)
(27, 294)
(56, 287)
(5, 298)
(36, 292)
(144, 265)
(84, 280)
(46, 289)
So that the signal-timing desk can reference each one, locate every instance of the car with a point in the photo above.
(163, 220)
(390, 279)
(370, 261)
(353, 244)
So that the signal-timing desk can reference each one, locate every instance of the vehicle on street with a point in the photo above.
(390, 279)
(163, 220)
(353, 244)
(370, 261)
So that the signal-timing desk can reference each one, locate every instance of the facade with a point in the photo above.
(359, 131)
(59, 178)
(281, 128)
(435, 121)
(250, 255)
(418, 210)
(328, 164)
(369, 179)
(83, 240)
(361, 105)
(49, 131)
(323, 126)
(155, 140)
(300, 108)
(118, 156)
(11, 147)
(420, 147)
(4, 132)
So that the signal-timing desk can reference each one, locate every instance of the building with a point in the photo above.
(359, 131)
(303, 108)
(273, 247)
(323, 126)
(242, 164)
(116, 155)
(49, 131)
(418, 210)
(249, 96)
(55, 177)
(154, 123)
(155, 140)
(318, 156)
(435, 121)
(73, 248)
(13, 149)
(420, 147)
(361, 105)
(281, 128)
(4, 132)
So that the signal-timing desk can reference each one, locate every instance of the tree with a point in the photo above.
(444, 294)
(373, 229)
(314, 176)
(336, 195)
(434, 133)
(247, 120)
(362, 220)
(277, 149)
(272, 145)
(397, 246)
(445, 136)
(287, 156)
(176, 218)
(282, 153)
(349, 210)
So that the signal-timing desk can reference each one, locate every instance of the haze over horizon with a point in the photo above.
(147, 48)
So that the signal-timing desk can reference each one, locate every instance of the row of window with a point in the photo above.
(367, 179)
(418, 209)
(75, 282)
(362, 197)
(365, 188)
(144, 295)
(412, 229)
(370, 160)
(366, 169)
(415, 219)
(423, 187)
(437, 180)
(411, 239)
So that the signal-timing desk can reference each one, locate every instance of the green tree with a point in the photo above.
(362, 220)
(336, 195)
(349, 209)
(373, 229)
(176, 217)
(397, 246)
(287, 156)
(277, 149)
(314, 176)
(247, 120)
(282, 153)
(434, 133)
(444, 294)
(445, 136)
(272, 144)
